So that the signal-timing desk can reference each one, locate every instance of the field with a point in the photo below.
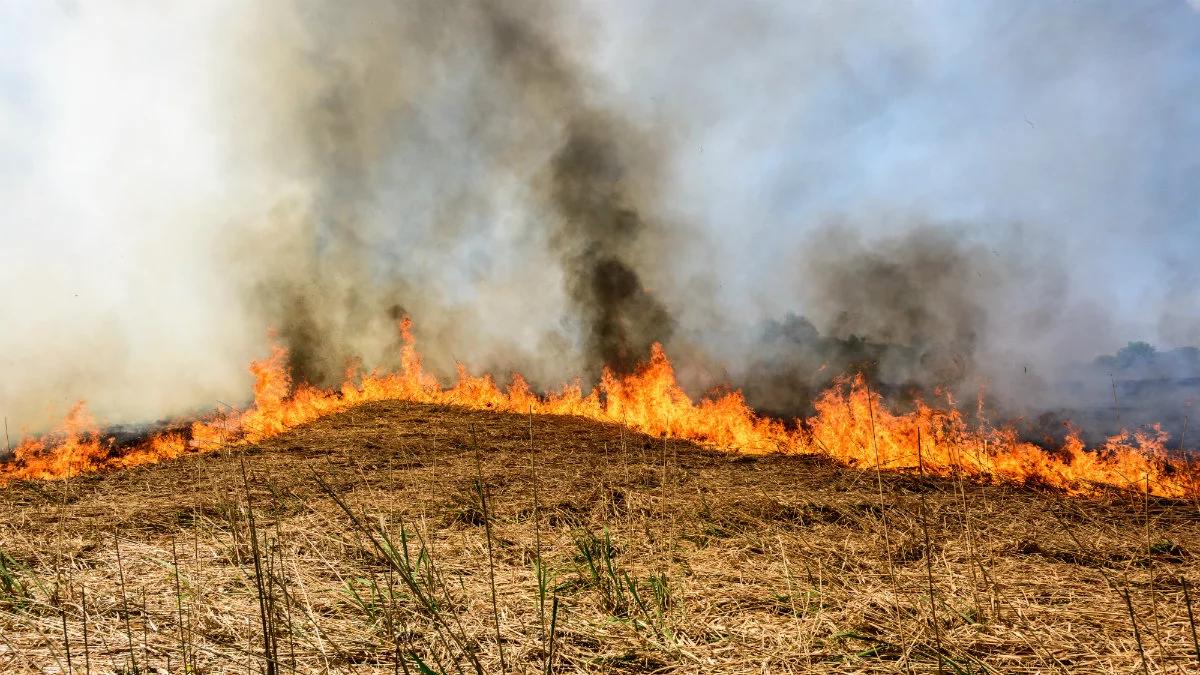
(404, 537)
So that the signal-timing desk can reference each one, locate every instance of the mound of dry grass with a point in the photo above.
(400, 537)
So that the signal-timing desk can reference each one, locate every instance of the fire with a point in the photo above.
(852, 424)
(77, 450)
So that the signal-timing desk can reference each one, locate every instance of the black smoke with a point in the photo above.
(599, 226)
(909, 312)
(365, 88)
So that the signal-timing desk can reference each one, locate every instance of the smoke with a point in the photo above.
(595, 221)
(919, 312)
(599, 229)
(927, 291)
(476, 104)
(959, 197)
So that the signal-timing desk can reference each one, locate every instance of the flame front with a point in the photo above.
(851, 425)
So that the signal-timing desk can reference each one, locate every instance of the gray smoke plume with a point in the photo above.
(916, 313)
(972, 196)
(926, 291)
(370, 89)
(599, 230)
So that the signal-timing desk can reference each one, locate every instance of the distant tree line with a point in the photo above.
(1142, 360)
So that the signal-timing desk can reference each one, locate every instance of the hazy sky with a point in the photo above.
(1067, 129)
(1075, 121)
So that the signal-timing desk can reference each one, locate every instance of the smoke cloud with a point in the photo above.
(490, 120)
(963, 197)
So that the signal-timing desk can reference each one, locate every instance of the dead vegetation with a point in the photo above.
(400, 537)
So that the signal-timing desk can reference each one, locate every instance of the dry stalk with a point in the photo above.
(183, 641)
(87, 653)
(487, 528)
(62, 611)
(124, 602)
(260, 584)
(1187, 598)
(937, 633)
(537, 532)
(887, 542)
(1137, 634)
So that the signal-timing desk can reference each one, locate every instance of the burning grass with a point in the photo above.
(852, 425)
(397, 536)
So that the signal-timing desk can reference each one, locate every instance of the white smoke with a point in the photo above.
(158, 169)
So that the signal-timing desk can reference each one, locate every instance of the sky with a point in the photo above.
(143, 145)
(1072, 120)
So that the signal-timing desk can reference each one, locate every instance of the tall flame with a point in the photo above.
(852, 424)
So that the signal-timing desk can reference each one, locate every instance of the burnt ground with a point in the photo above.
(369, 552)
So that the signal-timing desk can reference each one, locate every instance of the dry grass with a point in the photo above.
(655, 556)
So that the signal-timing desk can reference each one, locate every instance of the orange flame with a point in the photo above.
(851, 424)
